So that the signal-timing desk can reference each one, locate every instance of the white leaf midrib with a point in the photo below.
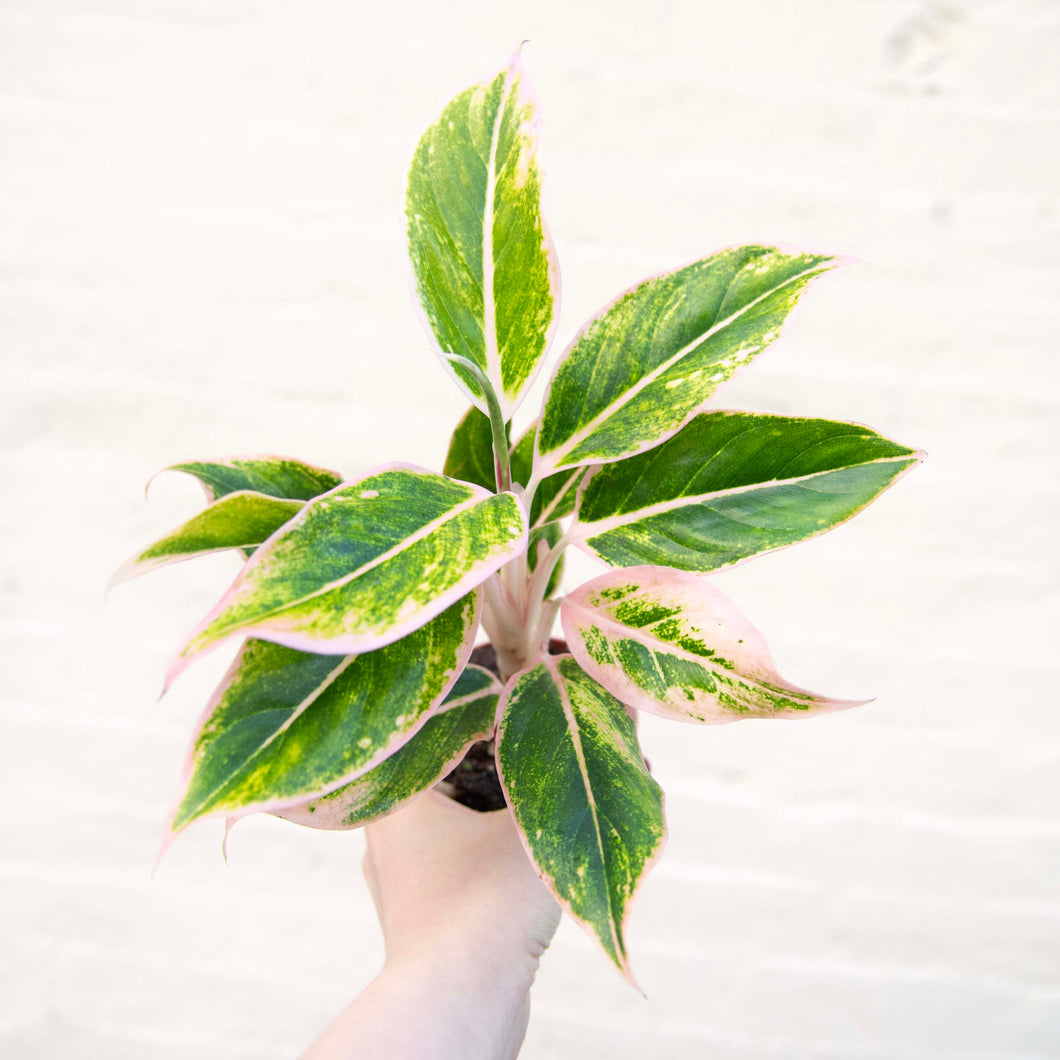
(557, 456)
(582, 530)
(489, 308)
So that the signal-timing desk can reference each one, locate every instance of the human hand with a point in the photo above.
(453, 882)
(465, 919)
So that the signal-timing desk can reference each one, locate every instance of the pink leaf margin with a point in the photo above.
(581, 534)
(229, 460)
(515, 70)
(624, 967)
(135, 565)
(346, 645)
(329, 818)
(544, 467)
(272, 805)
(736, 639)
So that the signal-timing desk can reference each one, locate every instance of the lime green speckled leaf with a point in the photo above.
(484, 266)
(466, 715)
(237, 520)
(286, 725)
(367, 563)
(648, 362)
(668, 642)
(731, 485)
(588, 811)
(275, 476)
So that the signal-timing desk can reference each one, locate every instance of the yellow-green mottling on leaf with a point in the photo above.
(466, 715)
(669, 642)
(484, 266)
(590, 813)
(644, 365)
(285, 726)
(366, 563)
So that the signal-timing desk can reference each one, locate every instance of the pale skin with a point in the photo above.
(465, 921)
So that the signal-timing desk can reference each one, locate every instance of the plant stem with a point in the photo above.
(501, 463)
(518, 618)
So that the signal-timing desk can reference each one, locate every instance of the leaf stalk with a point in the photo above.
(501, 461)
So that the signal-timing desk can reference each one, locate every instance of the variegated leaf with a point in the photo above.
(238, 520)
(275, 476)
(366, 563)
(668, 642)
(286, 725)
(731, 485)
(466, 715)
(642, 367)
(588, 811)
(484, 266)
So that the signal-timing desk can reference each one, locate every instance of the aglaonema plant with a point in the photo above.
(360, 599)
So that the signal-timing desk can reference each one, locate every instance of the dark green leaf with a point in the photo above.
(731, 485)
(590, 813)
(466, 715)
(286, 725)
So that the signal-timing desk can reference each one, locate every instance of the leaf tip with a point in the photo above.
(180, 663)
(124, 573)
(148, 483)
(230, 823)
(621, 962)
(167, 840)
(841, 261)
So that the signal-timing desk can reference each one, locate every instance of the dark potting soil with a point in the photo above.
(474, 782)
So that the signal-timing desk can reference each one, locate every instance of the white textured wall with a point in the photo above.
(201, 254)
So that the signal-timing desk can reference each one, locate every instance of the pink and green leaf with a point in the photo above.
(646, 364)
(731, 485)
(466, 715)
(587, 809)
(285, 726)
(483, 263)
(366, 563)
(238, 520)
(668, 642)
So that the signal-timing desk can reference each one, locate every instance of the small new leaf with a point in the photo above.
(668, 642)
(731, 485)
(589, 813)
(484, 265)
(465, 716)
(285, 726)
(648, 362)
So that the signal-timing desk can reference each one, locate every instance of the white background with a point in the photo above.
(201, 254)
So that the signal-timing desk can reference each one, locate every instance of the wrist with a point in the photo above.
(472, 1003)
(463, 964)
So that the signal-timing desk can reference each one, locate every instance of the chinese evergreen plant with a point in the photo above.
(360, 599)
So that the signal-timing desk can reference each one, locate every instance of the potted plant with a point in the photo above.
(360, 599)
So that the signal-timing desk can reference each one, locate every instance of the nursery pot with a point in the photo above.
(474, 783)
